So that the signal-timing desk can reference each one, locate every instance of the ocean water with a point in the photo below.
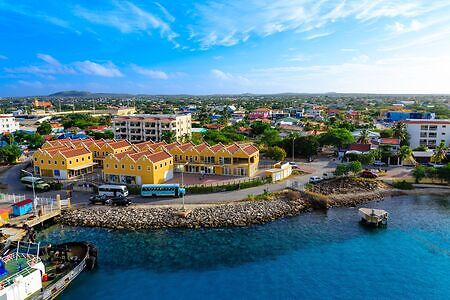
(316, 255)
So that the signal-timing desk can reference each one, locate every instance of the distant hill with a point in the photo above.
(85, 94)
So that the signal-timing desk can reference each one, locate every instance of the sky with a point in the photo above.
(234, 46)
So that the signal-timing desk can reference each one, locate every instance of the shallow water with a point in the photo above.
(313, 256)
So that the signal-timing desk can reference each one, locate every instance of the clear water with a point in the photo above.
(312, 256)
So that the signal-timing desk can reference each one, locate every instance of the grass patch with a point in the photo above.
(402, 185)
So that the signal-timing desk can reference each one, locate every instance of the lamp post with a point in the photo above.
(293, 143)
(32, 184)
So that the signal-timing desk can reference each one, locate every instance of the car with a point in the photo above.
(379, 163)
(102, 199)
(315, 179)
(292, 163)
(368, 174)
(119, 201)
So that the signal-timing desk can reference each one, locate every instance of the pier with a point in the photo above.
(373, 217)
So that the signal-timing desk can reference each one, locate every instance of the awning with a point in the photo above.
(82, 167)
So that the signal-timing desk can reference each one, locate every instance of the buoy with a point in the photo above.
(44, 278)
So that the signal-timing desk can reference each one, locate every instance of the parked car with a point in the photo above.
(101, 199)
(368, 174)
(119, 201)
(315, 179)
(379, 163)
(292, 163)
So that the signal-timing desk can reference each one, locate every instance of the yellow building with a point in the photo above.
(99, 148)
(63, 162)
(235, 159)
(138, 167)
(280, 171)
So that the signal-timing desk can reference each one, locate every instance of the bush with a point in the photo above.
(403, 185)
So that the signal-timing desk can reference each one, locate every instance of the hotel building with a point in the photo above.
(428, 133)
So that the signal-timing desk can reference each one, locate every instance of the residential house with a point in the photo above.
(260, 113)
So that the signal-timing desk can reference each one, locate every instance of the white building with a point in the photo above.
(8, 124)
(428, 132)
(139, 128)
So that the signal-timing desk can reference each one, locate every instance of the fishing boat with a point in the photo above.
(28, 271)
(373, 217)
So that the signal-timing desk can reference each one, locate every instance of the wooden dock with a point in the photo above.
(373, 217)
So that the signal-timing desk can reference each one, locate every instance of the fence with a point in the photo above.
(46, 205)
(227, 182)
(295, 185)
(11, 198)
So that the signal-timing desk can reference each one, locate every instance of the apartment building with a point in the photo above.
(138, 167)
(428, 132)
(139, 128)
(8, 124)
(99, 148)
(63, 162)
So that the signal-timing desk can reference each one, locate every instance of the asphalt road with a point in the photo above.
(318, 167)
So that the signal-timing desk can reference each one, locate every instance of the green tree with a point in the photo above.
(419, 173)
(363, 136)
(439, 153)
(444, 172)
(404, 152)
(341, 169)
(168, 136)
(399, 131)
(276, 153)
(35, 140)
(270, 137)
(337, 137)
(44, 128)
(386, 133)
(9, 154)
(355, 167)
(259, 127)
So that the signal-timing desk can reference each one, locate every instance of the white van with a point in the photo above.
(110, 190)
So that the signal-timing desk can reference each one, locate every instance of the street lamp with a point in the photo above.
(293, 142)
(32, 184)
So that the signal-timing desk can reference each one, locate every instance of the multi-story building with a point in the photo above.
(63, 162)
(428, 132)
(99, 148)
(138, 167)
(139, 128)
(8, 124)
(395, 116)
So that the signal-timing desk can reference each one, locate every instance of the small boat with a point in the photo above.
(28, 271)
(373, 217)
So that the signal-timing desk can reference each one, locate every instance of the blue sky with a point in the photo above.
(234, 46)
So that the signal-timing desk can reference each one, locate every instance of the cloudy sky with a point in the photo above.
(234, 46)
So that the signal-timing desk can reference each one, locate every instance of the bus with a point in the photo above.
(39, 183)
(155, 190)
(111, 190)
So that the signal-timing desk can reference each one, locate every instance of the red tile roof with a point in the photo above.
(431, 122)
(75, 152)
(359, 147)
(390, 141)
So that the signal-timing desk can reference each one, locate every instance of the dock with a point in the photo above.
(373, 217)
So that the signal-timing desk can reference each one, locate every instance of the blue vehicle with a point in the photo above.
(156, 190)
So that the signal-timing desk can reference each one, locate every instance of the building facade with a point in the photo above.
(138, 167)
(428, 133)
(395, 116)
(139, 128)
(63, 162)
(8, 123)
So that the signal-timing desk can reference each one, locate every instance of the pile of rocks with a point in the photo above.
(346, 185)
(226, 215)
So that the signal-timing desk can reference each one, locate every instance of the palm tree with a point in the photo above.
(399, 131)
(404, 152)
(363, 136)
(439, 153)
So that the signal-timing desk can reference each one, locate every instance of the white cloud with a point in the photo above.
(318, 35)
(221, 74)
(360, 59)
(104, 70)
(398, 27)
(48, 59)
(155, 74)
(128, 17)
(230, 78)
(229, 23)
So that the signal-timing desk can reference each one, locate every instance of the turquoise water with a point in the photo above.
(312, 256)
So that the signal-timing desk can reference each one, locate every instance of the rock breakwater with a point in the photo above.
(225, 215)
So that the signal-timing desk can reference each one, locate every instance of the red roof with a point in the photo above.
(431, 122)
(359, 147)
(23, 202)
(390, 141)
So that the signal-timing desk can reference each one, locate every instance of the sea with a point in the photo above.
(316, 255)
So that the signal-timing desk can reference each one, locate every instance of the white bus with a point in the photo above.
(110, 190)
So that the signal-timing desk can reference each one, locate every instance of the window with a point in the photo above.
(165, 164)
(63, 163)
(115, 166)
(76, 160)
(35, 159)
(70, 162)
(132, 167)
(424, 127)
(107, 165)
(49, 162)
(160, 165)
(82, 158)
(56, 162)
(139, 167)
(156, 167)
(123, 166)
(148, 168)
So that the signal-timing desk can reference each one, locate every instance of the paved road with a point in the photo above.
(318, 167)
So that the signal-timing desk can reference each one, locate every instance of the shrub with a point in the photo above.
(402, 185)
(292, 195)
(226, 187)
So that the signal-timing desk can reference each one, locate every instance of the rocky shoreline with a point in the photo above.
(224, 215)
(237, 214)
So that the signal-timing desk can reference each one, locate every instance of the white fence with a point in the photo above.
(11, 198)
